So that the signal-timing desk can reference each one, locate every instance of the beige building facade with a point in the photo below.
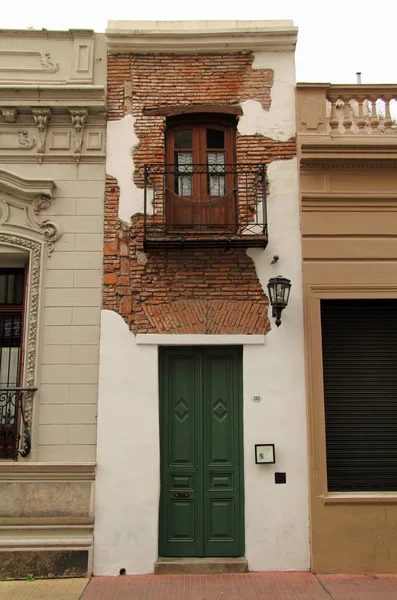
(347, 148)
(52, 151)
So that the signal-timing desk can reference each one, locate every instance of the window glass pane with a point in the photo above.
(19, 283)
(183, 182)
(183, 139)
(10, 345)
(215, 138)
(10, 330)
(11, 289)
(216, 170)
(11, 286)
(9, 366)
(3, 286)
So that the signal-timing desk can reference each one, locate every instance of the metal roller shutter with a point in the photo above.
(360, 393)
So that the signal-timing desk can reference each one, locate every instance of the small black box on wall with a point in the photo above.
(280, 478)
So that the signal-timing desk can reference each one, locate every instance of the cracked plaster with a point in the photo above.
(121, 141)
(278, 123)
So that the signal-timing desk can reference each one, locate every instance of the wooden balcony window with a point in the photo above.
(200, 196)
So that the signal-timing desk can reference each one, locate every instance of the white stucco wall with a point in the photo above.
(127, 492)
(128, 483)
(121, 140)
(128, 475)
(277, 521)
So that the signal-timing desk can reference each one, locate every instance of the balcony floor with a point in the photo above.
(179, 241)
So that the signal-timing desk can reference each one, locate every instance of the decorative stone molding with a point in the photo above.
(34, 249)
(9, 114)
(30, 196)
(24, 141)
(79, 118)
(41, 118)
(323, 163)
(24, 187)
(24, 56)
(47, 64)
(51, 230)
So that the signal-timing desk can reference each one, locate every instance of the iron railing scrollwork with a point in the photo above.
(205, 200)
(15, 436)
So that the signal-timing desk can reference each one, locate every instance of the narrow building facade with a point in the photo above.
(197, 385)
(347, 147)
(52, 167)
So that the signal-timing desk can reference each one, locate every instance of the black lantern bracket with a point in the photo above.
(279, 289)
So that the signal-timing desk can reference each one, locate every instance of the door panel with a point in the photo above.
(180, 456)
(181, 521)
(201, 508)
(222, 451)
(221, 521)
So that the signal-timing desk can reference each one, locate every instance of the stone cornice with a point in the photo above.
(24, 187)
(59, 96)
(325, 148)
(30, 471)
(200, 36)
(351, 90)
(69, 34)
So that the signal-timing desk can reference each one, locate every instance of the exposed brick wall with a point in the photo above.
(182, 291)
(178, 291)
(148, 81)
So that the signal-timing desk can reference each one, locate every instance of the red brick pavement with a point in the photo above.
(251, 586)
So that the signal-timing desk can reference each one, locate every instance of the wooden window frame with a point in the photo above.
(198, 214)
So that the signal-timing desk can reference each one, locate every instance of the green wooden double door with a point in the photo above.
(201, 443)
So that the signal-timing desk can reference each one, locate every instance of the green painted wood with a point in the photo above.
(201, 444)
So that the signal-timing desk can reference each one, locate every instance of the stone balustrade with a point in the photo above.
(347, 110)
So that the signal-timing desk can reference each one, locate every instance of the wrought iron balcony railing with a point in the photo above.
(199, 205)
(15, 438)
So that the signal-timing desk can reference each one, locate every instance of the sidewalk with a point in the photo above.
(43, 589)
(250, 586)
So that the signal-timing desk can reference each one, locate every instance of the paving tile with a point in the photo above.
(251, 586)
(43, 589)
(360, 587)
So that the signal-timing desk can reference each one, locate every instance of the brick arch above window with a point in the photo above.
(193, 109)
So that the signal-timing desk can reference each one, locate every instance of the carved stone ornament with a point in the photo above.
(24, 141)
(9, 114)
(21, 202)
(51, 230)
(47, 64)
(79, 118)
(34, 249)
(41, 118)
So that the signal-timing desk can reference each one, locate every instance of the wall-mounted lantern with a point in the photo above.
(279, 289)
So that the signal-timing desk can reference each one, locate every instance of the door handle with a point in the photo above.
(181, 495)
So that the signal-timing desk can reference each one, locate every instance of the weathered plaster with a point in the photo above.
(128, 475)
(281, 516)
(278, 123)
(121, 141)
